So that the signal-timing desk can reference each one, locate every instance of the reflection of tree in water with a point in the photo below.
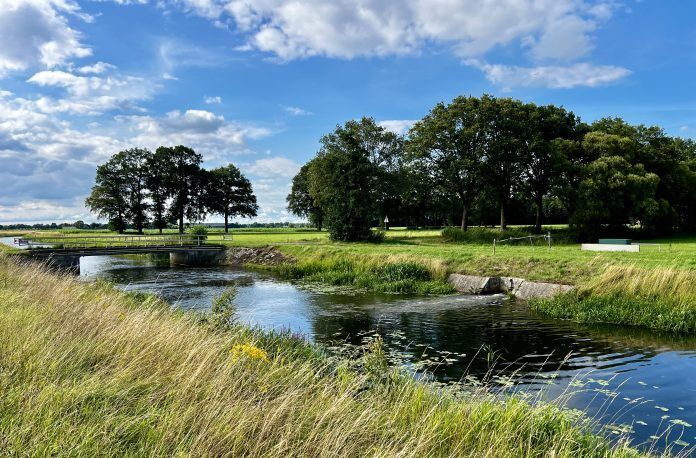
(509, 337)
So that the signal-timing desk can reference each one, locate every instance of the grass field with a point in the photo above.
(87, 370)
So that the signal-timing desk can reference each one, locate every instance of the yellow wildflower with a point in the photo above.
(249, 351)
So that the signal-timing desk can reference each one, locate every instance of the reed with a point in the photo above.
(661, 298)
(87, 370)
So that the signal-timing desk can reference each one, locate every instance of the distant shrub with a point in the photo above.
(201, 231)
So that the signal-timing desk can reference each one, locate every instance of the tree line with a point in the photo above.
(490, 161)
(139, 188)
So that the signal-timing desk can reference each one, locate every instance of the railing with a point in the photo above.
(112, 241)
(531, 238)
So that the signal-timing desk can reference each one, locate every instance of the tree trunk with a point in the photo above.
(503, 223)
(539, 211)
(160, 230)
(181, 223)
(465, 218)
(226, 219)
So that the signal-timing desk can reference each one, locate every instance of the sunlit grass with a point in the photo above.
(86, 370)
(661, 298)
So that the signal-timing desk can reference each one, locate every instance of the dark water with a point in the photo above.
(640, 383)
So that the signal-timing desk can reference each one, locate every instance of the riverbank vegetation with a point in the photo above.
(662, 298)
(390, 274)
(89, 370)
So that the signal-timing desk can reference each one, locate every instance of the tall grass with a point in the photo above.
(661, 298)
(86, 370)
(395, 274)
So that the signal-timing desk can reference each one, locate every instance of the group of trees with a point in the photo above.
(494, 160)
(137, 187)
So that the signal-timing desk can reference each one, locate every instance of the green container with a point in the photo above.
(614, 241)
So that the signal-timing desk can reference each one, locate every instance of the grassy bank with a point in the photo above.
(87, 370)
(392, 274)
(661, 298)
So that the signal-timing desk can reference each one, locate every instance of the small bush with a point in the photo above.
(201, 231)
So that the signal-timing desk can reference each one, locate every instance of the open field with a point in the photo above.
(88, 370)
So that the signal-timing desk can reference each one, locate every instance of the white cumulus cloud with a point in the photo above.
(36, 33)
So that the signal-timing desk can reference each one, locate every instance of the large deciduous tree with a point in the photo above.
(184, 182)
(449, 143)
(134, 165)
(108, 197)
(229, 193)
(300, 200)
(157, 184)
(549, 133)
(504, 160)
(120, 192)
(343, 184)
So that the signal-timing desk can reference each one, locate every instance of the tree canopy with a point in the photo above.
(494, 160)
(136, 186)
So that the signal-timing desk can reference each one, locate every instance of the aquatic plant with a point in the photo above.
(391, 274)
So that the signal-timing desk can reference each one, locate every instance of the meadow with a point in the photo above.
(88, 370)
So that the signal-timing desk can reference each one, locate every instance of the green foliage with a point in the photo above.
(343, 185)
(658, 313)
(184, 182)
(615, 193)
(482, 235)
(120, 193)
(229, 193)
(390, 277)
(660, 298)
(170, 186)
(300, 200)
(446, 143)
(200, 231)
(486, 159)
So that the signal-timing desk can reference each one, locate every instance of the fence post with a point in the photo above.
(549, 237)
(494, 246)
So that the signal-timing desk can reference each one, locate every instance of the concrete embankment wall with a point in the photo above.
(519, 287)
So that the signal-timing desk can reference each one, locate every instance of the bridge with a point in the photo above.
(66, 251)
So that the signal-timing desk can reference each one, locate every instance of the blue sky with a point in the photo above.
(258, 82)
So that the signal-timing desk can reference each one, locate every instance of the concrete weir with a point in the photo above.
(518, 287)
